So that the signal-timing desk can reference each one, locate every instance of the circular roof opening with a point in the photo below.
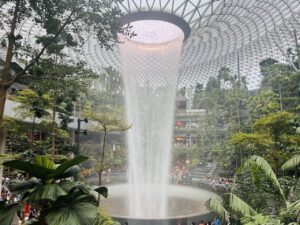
(155, 31)
(156, 27)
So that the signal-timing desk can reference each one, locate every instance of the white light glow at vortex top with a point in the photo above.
(155, 31)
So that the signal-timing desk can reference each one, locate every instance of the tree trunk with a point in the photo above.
(275, 155)
(1, 177)
(102, 157)
(101, 163)
(5, 84)
(99, 177)
(280, 97)
(32, 134)
(2, 132)
(3, 92)
(53, 133)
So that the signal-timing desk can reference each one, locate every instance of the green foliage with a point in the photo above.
(36, 170)
(251, 121)
(107, 122)
(44, 162)
(290, 215)
(283, 81)
(64, 25)
(6, 157)
(104, 219)
(235, 204)
(106, 96)
(260, 220)
(102, 191)
(257, 197)
(47, 192)
(18, 186)
(17, 141)
(238, 205)
(260, 140)
(40, 171)
(32, 104)
(214, 204)
(274, 137)
(76, 208)
(257, 189)
(267, 169)
(65, 22)
(276, 123)
(224, 100)
(63, 83)
(57, 201)
(262, 104)
(7, 213)
(291, 163)
(265, 64)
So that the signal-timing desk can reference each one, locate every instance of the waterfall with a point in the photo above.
(150, 64)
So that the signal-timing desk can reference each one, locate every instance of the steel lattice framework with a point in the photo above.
(233, 33)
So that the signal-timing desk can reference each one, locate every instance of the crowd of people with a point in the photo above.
(180, 175)
(216, 221)
(8, 197)
(221, 183)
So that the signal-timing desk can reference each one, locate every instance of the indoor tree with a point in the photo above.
(273, 137)
(106, 123)
(64, 24)
(67, 84)
(32, 105)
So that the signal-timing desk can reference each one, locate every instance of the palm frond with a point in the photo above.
(45, 162)
(47, 192)
(291, 163)
(238, 205)
(294, 205)
(102, 191)
(260, 219)
(62, 168)
(265, 166)
(20, 186)
(75, 213)
(214, 204)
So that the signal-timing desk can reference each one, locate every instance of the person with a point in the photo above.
(217, 221)
(202, 223)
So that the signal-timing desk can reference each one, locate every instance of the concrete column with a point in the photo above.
(3, 142)
(73, 136)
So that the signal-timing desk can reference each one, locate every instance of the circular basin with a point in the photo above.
(184, 203)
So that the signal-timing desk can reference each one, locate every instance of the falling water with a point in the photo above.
(150, 65)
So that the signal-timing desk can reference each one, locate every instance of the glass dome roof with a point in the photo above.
(234, 33)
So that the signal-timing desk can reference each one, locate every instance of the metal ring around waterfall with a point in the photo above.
(157, 15)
